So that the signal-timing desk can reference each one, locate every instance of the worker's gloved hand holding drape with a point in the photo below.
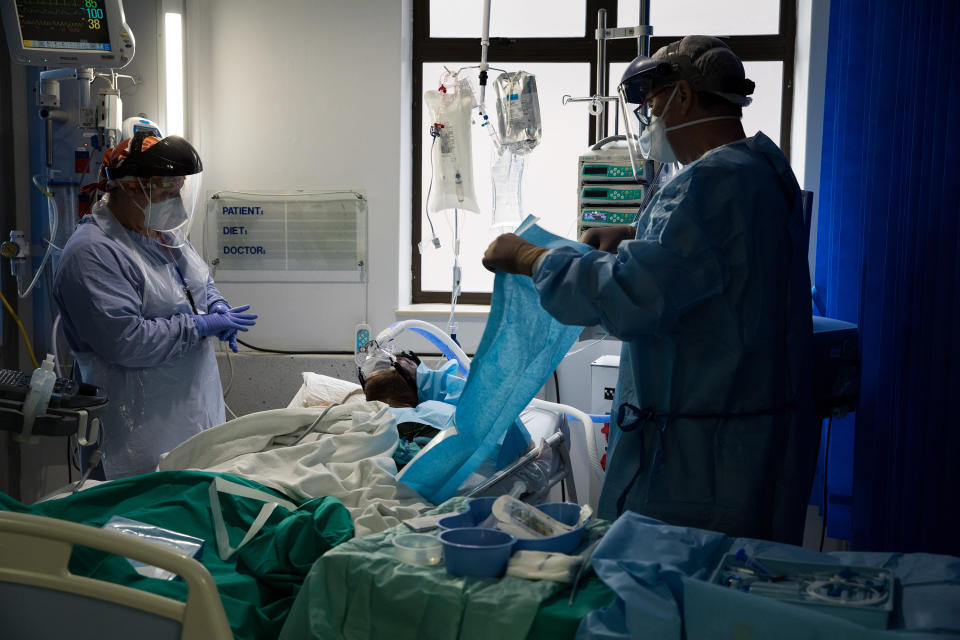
(512, 254)
(608, 238)
(213, 324)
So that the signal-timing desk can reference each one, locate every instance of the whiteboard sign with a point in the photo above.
(300, 235)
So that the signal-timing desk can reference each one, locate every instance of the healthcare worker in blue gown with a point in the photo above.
(712, 422)
(138, 307)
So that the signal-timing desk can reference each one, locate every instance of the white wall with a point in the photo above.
(315, 95)
(813, 21)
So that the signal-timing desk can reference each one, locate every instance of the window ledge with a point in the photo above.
(443, 310)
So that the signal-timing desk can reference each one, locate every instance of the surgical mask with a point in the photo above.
(165, 215)
(653, 141)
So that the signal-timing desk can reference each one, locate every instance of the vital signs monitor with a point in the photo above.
(68, 33)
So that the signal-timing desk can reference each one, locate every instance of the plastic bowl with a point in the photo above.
(566, 512)
(478, 510)
(476, 551)
(418, 548)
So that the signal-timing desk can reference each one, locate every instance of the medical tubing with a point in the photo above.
(26, 338)
(53, 234)
(433, 334)
(826, 460)
(294, 353)
(426, 206)
(455, 285)
(587, 346)
(229, 384)
(314, 424)
(53, 345)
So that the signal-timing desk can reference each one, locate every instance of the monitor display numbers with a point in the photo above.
(63, 24)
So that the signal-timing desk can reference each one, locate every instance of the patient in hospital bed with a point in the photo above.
(332, 440)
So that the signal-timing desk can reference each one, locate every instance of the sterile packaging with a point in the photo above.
(525, 521)
(518, 111)
(180, 543)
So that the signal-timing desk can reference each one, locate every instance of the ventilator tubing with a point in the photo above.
(434, 335)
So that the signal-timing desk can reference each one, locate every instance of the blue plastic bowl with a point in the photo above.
(566, 512)
(478, 510)
(476, 551)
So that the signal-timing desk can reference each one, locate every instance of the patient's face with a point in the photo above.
(392, 388)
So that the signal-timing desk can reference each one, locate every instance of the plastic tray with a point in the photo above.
(875, 616)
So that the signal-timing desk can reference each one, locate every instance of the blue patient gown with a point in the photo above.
(712, 302)
(127, 319)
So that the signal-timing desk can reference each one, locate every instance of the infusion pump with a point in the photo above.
(68, 33)
(607, 192)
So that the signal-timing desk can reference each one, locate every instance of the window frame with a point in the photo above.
(771, 47)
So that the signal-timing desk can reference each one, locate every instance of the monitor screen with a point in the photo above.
(63, 24)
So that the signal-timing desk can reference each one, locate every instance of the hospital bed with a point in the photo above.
(532, 476)
(35, 580)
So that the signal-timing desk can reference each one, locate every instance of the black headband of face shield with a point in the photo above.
(410, 379)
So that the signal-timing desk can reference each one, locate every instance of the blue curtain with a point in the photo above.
(888, 259)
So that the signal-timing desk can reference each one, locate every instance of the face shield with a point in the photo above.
(642, 79)
(168, 204)
(635, 121)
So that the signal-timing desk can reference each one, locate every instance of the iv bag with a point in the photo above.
(518, 111)
(507, 176)
(452, 158)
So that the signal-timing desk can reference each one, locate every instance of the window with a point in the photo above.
(553, 39)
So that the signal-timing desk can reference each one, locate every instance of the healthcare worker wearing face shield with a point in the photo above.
(138, 305)
(712, 421)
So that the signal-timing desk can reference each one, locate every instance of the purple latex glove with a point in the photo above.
(215, 324)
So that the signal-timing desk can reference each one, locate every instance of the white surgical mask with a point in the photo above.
(165, 215)
(653, 141)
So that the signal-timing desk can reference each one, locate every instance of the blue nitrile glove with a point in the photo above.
(213, 324)
(220, 306)
(229, 335)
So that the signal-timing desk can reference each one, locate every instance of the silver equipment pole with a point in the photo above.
(601, 121)
(643, 42)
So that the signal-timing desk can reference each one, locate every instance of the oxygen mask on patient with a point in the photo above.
(389, 375)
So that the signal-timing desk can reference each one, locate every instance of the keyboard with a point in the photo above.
(67, 393)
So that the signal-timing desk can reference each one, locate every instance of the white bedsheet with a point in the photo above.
(346, 456)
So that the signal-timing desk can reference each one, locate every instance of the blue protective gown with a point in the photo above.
(128, 321)
(712, 302)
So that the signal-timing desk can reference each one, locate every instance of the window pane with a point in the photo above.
(549, 179)
(763, 114)
(703, 17)
(508, 19)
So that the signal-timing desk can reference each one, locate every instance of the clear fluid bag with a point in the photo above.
(518, 111)
(452, 156)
